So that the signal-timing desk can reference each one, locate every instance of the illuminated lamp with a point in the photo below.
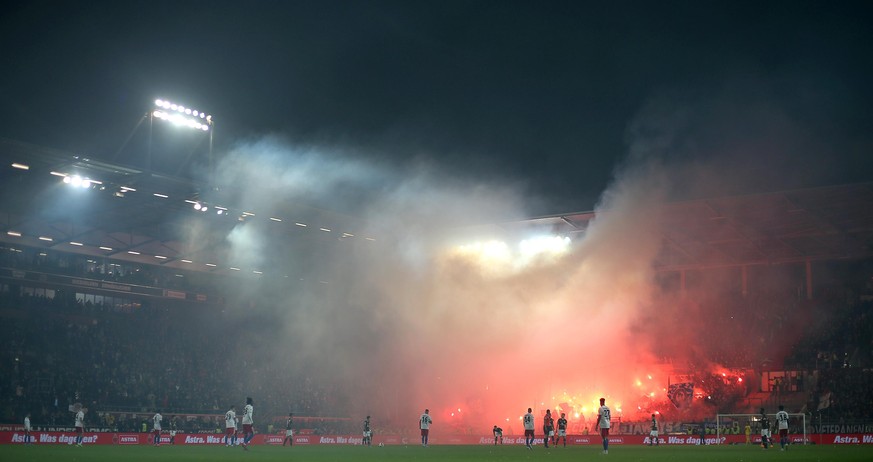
(179, 117)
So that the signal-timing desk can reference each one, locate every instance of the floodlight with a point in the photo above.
(178, 116)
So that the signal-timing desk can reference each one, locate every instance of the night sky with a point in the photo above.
(549, 97)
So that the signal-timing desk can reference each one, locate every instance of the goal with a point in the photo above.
(735, 424)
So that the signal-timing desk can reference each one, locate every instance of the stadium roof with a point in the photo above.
(149, 218)
(825, 223)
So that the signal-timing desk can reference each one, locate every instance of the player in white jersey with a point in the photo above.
(80, 427)
(424, 423)
(27, 428)
(603, 417)
(156, 428)
(528, 422)
(653, 433)
(230, 427)
(782, 422)
(247, 422)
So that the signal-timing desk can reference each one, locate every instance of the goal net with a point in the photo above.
(735, 424)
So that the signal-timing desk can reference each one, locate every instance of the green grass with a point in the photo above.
(15, 453)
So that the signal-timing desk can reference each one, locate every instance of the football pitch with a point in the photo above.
(15, 453)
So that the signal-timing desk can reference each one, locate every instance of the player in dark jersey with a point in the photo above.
(765, 430)
(368, 434)
(548, 427)
(173, 425)
(653, 433)
(289, 432)
(562, 430)
(498, 434)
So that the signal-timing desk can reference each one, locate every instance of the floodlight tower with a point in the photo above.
(182, 116)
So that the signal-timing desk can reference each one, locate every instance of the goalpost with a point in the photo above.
(735, 424)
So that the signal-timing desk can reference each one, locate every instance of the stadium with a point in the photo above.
(717, 308)
(391, 230)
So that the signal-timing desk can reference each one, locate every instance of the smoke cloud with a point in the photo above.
(423, 305)
(433, 312)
